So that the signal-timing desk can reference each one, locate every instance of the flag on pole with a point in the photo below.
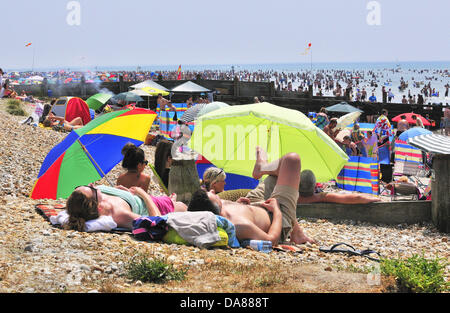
(307, 49)
(179, 73)
(28, 44)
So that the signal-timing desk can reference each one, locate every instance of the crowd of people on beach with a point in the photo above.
(415, 86)
(267, 212)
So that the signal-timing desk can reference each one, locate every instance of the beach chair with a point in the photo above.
(360, 174)
(403, 187)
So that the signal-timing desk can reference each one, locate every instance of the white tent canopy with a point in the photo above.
(140, 92)
(149, 83)
(189, 87)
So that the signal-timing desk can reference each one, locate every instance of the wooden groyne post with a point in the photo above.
(440, 192)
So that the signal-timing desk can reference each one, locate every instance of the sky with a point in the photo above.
(173, 32)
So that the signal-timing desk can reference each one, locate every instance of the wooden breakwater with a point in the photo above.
(235, 92)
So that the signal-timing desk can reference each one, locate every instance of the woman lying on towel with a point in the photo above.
(122, 204)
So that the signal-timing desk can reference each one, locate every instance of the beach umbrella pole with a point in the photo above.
(159, 179)
(93, 161)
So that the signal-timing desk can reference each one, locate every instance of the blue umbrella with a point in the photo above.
(413, 132)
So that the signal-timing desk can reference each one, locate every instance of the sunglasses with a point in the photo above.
(94, 190)
(145, 162)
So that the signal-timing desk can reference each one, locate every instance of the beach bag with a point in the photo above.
(172, 237)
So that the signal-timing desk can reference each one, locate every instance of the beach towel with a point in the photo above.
(228, 227)
(58, 216)
(321, 121)
(359, 174)
(150, 228)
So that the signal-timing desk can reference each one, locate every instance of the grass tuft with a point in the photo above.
(153, 270)
(14, 107)
(417, 274)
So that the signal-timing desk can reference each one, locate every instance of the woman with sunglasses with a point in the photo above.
(134, 162)
(122, 204)
(214, 179)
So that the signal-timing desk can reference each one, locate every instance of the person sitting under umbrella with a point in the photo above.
(273, 219)
(163, 160)
(350, 147)
(135, 163)
(330, 131)
(417, 121)
(53, 120)
(214, 179)
(322, 118)
(402, 126)
(122, 204)
(163, 102)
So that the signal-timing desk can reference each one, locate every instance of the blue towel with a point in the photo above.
(150, 228)
(226, 225)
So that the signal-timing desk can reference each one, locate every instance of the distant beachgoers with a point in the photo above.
(416, 82)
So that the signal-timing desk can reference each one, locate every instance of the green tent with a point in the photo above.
(98, 100)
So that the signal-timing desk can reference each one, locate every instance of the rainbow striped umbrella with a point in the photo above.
(89, 153)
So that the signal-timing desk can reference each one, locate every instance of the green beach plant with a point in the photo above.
(153, 270)
(417, 274)
(14, 107)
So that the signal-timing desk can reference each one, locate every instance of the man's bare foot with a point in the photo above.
(261, 159)
(301, 239)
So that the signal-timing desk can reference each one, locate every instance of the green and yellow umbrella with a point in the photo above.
(228, 138)
(98, 100)
(155, 91)
(87, 154)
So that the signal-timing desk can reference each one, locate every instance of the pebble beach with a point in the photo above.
(36, 257)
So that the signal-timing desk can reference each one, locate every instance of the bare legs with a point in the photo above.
(287, 170)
